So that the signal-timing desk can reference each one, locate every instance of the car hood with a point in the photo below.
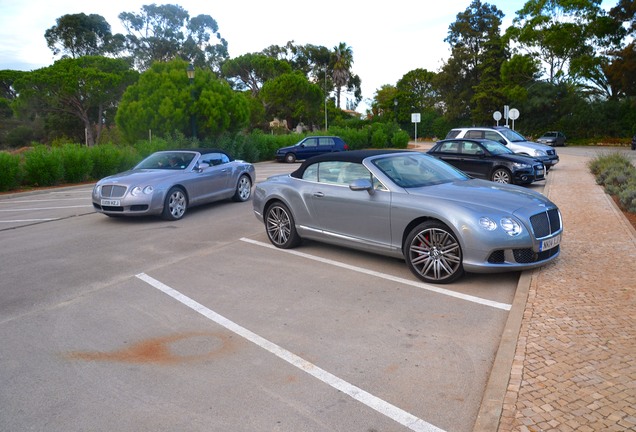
(533, 145)
(476, 193)
(517, 158)
(141, 176)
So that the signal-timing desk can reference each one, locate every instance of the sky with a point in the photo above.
(387, 41)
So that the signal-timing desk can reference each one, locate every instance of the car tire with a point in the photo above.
(243, 189)
(290, 158)
(433, 253)
(280, 226)
(175, 205)
(501, 175)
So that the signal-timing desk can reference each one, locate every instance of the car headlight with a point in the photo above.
(487, 223)
(521, 166)
(97, 189)
(138, 190)
(540, 153)
(510, 226)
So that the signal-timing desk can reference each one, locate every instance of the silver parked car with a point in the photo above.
(167, 183)
(410, 205)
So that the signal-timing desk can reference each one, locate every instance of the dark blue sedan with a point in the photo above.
(309, 147)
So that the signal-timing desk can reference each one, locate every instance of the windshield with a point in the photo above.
(512, 135)
(167, 160)
(413, 170)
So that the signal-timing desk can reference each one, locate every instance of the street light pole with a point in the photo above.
(190, 72)
(395, 103)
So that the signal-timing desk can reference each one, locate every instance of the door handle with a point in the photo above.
(319, 194)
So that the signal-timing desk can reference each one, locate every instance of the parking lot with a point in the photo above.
(200, 324)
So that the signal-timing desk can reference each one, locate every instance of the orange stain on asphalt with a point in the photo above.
(174, 349)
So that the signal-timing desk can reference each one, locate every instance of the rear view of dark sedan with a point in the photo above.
(490, 160)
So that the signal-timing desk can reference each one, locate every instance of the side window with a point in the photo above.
(352, 171)
(452, 134)
(470, 148)
(311, 173)
(215, 159)
(474, 134)
(311, 142)
(322, 142)
(450, 148)
(494, 136)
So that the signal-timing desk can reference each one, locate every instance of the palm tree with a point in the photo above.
(341, 61)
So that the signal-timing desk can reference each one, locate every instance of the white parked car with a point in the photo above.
(513, 140)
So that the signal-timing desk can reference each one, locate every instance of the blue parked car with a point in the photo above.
(310, 146)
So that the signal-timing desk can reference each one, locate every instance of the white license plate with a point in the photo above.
(550, 243)
(111, 203)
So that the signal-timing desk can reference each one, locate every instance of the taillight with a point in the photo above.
(346, 147)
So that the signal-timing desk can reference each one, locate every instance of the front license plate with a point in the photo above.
(111, 203)
(550, 243)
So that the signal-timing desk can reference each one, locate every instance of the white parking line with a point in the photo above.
(40, 200)
(402, 417)
(473, 299)
(44, 208)
(28, 220)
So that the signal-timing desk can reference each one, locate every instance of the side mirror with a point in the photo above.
(201, 166)
(362, 185)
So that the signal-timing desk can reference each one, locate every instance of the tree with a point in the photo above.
(252, 70)
(87, 88)
(77, 35)
(164, 101)
(472, 71)
(166, 32)
(341, 62)
(560, 31)
(292, 97)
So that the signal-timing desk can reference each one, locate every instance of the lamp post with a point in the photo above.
(395, 103)
(190, 72)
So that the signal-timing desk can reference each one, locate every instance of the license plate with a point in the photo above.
(111, 203)
(550, 243)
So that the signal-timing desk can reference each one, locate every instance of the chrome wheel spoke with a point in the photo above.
(435, 254)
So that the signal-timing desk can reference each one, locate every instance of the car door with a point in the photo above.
(213, 182)
(351, 216)
(474, 161)
(307, 149)
(449, 152)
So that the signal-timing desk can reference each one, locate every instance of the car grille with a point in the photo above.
(546, 223)
(523, 256)
(113, 191)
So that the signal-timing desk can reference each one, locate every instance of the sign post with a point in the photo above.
(415, 118)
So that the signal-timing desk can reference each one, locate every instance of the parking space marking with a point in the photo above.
(424, 286)
(44, 208)
(28, 220)
(397, 414)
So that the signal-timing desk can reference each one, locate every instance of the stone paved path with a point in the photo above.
(575, 363)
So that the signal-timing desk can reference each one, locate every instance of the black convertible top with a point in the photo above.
(355, 156)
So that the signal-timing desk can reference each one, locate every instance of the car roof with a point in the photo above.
(355, 156)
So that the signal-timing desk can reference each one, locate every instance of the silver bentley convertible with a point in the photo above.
(410, 205)
(167, 183)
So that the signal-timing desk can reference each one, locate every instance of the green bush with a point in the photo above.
(77, 163)
(400, 139)
(109, 159)
(617, 175)
(10, 172)
(43, 166)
